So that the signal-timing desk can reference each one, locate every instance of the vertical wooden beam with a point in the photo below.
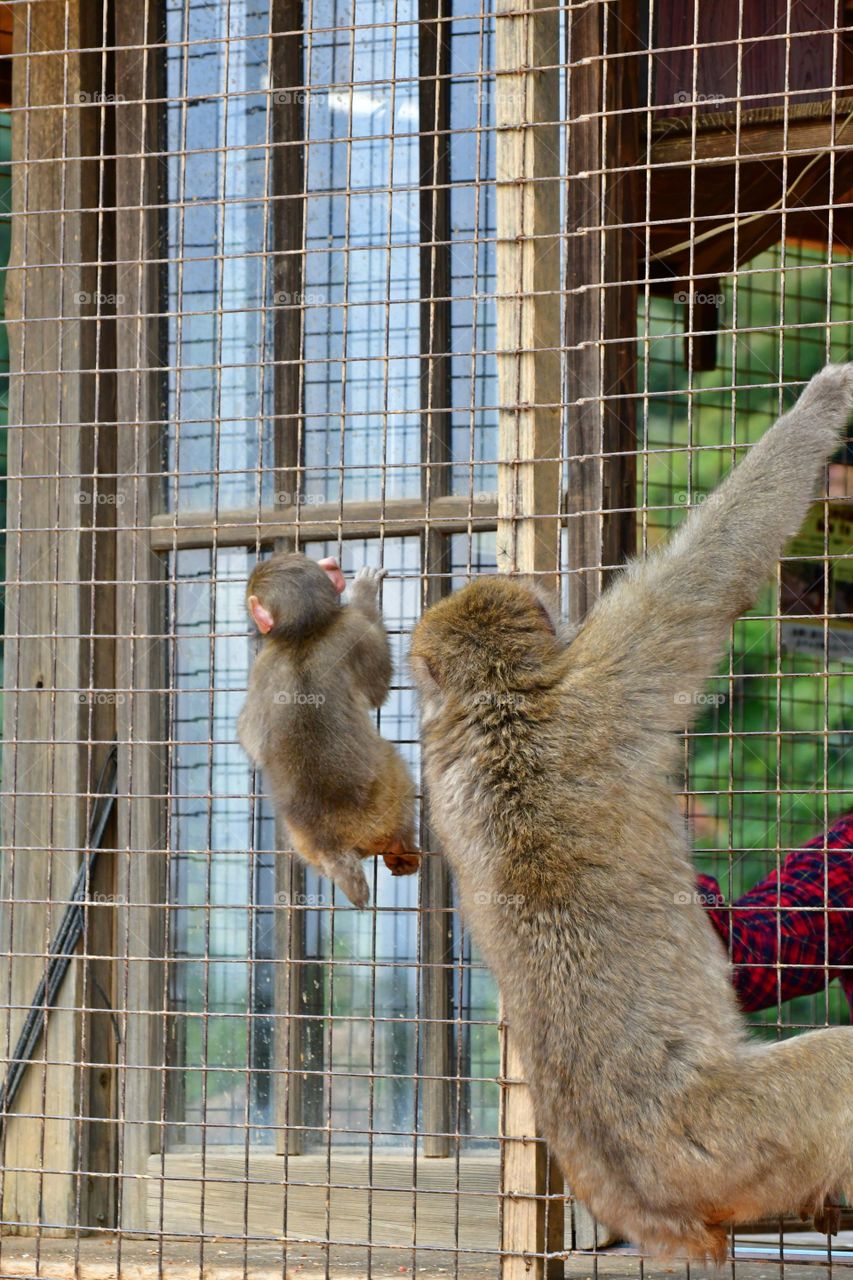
(50, 735)
(291, 1002)
(436, 930)
(140, 941)
(601, 304)
(435, 234)
(287, 130)
(529, 469)
(601, 308)
(287, 175)
(435, 885)
(100, 1046)
(528, 286)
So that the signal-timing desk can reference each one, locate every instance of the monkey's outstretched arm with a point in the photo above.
(659, 631)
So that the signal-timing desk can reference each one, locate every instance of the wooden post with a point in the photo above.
(287, 164)
(603, 253)
(140, 941)
(528, 287)
(100, 1046)
(529, 476)
(436, 942)
(293, 1001)
(51, 752)
(601, 304)
(293, 996)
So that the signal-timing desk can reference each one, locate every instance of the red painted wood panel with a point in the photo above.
(763, 74)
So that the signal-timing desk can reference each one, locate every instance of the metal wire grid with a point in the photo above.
(286, 1079)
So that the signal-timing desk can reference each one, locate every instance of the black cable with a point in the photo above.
(63, 946)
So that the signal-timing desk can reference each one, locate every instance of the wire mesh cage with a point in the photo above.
(444, 287)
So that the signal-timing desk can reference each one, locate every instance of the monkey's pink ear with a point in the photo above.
(262, 617)
(332, 570)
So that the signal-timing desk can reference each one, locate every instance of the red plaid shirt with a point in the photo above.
(793, 932)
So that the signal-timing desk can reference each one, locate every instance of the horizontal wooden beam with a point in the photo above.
(315, 522)
(764, 140)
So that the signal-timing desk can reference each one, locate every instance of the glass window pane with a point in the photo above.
(371, 989)
(362, 268)
(362, 439)
(218, 331)
(221, 889)
(473, 334)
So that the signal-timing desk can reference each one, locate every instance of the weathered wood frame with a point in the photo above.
(527, 94)
(603, 200)
(60, 541)
(140, 945)
(288, 217)
(436, 900)
(601, 297)
(600, 325)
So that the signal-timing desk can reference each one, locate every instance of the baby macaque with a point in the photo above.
(549, 759)
(343, 790)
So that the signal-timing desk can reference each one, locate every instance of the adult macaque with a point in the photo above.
(549, 759)
(343, 790)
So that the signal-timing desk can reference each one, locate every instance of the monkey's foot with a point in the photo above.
(399, 862)
(346, 871)
(828, 1218)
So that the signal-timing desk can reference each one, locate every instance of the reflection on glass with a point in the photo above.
(474, 392)
(368, 1049)
(222, 866)
(358, 993)
(218, 277)
(358, 987)
(362, 269)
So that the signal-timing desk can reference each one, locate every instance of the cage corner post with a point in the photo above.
(293, 996)
(601, 296)
(58, 627)
(435, 232)
(527, 97)
(140, 942)
(602, 203)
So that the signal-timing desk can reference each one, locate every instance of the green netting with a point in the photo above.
(776, 733)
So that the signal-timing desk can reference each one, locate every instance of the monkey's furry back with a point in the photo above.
(308, 711)
(548, 762)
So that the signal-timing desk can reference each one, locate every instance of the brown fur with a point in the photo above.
(343, 790)
(549, 757)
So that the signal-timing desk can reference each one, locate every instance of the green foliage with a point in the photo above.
(770, 760)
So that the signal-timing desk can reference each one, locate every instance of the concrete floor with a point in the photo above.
(314, 1198)
(108, 1259)
(243, 1217)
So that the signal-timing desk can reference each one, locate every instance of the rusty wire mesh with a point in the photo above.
(261, 294)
